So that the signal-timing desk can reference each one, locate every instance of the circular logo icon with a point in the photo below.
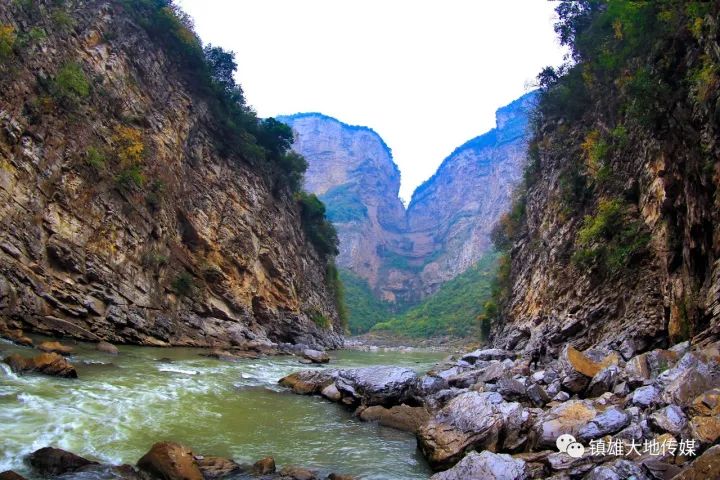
(563, 441)
(575, 450)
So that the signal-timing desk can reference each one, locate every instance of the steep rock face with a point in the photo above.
(451, 215)
(620, 245)
(203, 253)
(352, 171)
(407, 255)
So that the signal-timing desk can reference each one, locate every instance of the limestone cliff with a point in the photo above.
(352, 171)
(615, 240)
(122, 217)
(408, 255)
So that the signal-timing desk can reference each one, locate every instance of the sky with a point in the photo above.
(426, 75)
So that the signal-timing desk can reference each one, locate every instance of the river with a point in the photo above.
(121, 405)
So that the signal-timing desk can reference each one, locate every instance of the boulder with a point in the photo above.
(470, 421)
(377, 385)
(51, 461)
(538, 395)
(308, 382)
(217, 467)
(264, 466)
(574, 360)
(331, 393)
(401, 417)
(45, 363)
(637, 370)
(16, 336)
(337, 476)
(566, 418)
(511, 389)
(170, 461)
(234, 356)
(706, 430)
(488, 354)
(705, 467)
(55, 347)
(603, 381)
(669, 419)
(298, 473)
(10, 475)
(707, 403)
(646, 396)
(106, 347)
(316, 356)
(486, 466)
(610, 421)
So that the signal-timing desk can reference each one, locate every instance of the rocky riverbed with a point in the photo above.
(650, 416)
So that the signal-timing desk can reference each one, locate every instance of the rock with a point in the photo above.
(401, 417)
(106, 347)
(298, 473)
(637, 370)
(15, 336)
(337, 476)
(537, 395)
(316, 356)
(705, 429)
(618, 470)
(511, 389)
(660, 361)
(683, 386)
(707, 403)
(308, 382)
(45, 363)
(55, 347)
(705, 467)
(603, 381)
(10, 475)
(661, 470)
(430, 384)
(51, 461)
(170, 461)
(264, 466)
(645, 396)
(469, 421)
(669, 419)
(486, 466)
(331, 393)
(488, 354)
(610, 421)
(216, 467)
(377, 385)
(579, 362)
(561, 397)
(226, 356)
(627, 349)
(566, 418)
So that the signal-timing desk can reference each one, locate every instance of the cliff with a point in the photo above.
(614, 239)
(407, 255)
(125, 215)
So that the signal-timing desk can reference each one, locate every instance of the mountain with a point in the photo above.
(406, 255)
(613, 241)
(137, 205)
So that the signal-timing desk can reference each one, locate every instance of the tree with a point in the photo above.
(222, 67)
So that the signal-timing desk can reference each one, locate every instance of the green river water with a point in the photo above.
(121, 405)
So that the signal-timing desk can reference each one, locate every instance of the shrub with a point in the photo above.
(95, 158)
(336, 286)
(183, 284)
(62, 20)
(129, 146)
(7, 41)
(319, 230)
(610, 239)
(70, 85)
(130, 176)
(319, 319)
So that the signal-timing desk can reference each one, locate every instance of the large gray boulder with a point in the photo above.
(382, 385)
(486, 466)
(470, 421)
(488, 354)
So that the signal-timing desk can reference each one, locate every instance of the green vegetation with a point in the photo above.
(610, 239)
(7, 41)
(183, 284)
(344, 204)
(317, 227)
(334, 282)
(364, 309)
(319, 319)
(130, 176)
(62, 20)
(95, 158)
(452, 310)
(70, 86)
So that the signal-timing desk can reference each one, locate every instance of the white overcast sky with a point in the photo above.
(427, 75)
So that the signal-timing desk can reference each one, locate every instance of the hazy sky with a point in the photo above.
(427, 75)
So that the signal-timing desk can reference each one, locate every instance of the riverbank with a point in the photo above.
(120, 405)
